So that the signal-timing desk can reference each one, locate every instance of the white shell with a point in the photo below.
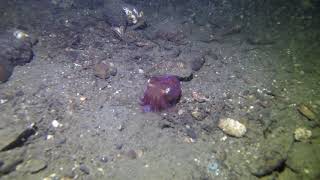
(20, 34)
(232, 127)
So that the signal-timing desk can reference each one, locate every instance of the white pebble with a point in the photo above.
(56, 124)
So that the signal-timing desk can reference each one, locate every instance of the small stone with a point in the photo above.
(191, 133)
(197, 63)
(199, 114)
(104, 70)
(302, 134)
(84, 169)
(104, 159)
(132, 154)
(56, 124)
(181, 111)
(140, 71)
(139, 153)
(19, 93)
(199, 97)
(232, 127)
(83, 98)
(188, 140)
(51, 177)
(119, 146)
(120, 127)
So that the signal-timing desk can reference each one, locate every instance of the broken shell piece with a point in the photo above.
(56, 124)
(199, 97)
(232, 127)
(302, 134)
(82, 98)
(307, 112)
(119, 31)
(20, 34)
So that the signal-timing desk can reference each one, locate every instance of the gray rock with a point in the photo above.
(274, 153)
(191, 133)
(304, 159)
(180, 69)
(84, 169)
(119, 146)
(197, 63)
(268, 163)
(33, 166)
(104, 159)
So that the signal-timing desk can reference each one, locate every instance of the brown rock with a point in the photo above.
(176, 68)
(104, 70)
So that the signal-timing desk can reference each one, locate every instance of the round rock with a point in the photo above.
(180, 69)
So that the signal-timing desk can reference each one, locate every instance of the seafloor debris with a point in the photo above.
(232, 127)
(162, 93)
(307, 112)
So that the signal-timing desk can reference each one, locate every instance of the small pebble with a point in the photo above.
(132, 154)
(119, 146)
(120, 127)
(191, 133)
(84, 169)
(20, 93)
(104, 159)
(139, 153)
(56, 124)
(199, 114)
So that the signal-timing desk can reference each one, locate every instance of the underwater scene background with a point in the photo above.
(160, 89)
